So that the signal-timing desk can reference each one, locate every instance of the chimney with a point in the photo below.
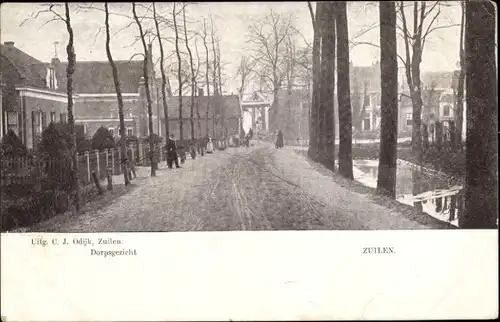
(9, 44)
(200, 91)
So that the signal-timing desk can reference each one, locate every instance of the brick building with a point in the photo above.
(31, 98)
(226, 109)
(34, 94)
(96, 104)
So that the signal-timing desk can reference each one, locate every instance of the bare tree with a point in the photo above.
(268, 38)
(290, 74)
(215, 62)
(245, 71)
(193, 79)
(145, 68)
(116, 80)
(327, 113)
(216, 111)
(207, 66)
(70, 70)
(386, 180)
(414, 42)
(162, 71)
(179, 71)
(314, 122)
(344, 92)
(481, 184)
(197, 74)
(459, 94)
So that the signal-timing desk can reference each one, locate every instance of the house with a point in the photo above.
(34, 94)
(97, 104)
(31, 97)
(365, 96)
(438, 96)
(217, 116)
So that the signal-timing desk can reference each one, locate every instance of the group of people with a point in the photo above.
(207, 146)
(173, 156)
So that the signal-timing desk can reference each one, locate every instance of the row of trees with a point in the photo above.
(477, 72)
(330, 53)
(153, 25)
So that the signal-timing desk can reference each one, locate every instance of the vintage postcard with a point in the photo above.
(249, 161)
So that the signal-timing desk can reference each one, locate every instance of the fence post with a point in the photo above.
(96, 182)
(112, 161)
(87, 159)
(109, 175)
(120, 170)
(98, 161)
(140, 152)
(107, 158)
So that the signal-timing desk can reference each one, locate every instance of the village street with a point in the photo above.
(256, 188)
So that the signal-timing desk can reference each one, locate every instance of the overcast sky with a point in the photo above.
(231, 22)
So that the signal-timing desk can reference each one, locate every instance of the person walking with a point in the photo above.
(210, 146)
(172, 152)
(279, 140)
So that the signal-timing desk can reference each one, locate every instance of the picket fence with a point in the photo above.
(30, 169)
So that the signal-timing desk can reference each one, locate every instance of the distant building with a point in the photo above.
(224, 117)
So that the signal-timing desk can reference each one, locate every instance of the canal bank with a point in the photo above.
(365, 183)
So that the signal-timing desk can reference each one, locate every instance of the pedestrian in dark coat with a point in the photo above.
(172, 152)
(279, 140)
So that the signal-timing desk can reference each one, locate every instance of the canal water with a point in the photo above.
(426, 190)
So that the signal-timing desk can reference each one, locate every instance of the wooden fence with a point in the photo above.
(28, 170)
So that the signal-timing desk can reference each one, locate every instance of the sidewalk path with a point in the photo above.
(257, 188)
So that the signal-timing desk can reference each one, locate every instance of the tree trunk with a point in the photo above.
(222, 111)
(179, 73)
(193, 83)
(163, 76)
(344, 92)
(481, 210)
(116, 80)
(147, 56)
(459, 111)
(70, 69)
(215, 107)
(206, 74)
(327, 129)
(386, 181)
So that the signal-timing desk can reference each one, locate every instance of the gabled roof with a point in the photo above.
(21, 68)
(227, 104)
(96, 76)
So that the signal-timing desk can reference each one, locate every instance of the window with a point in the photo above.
(446, 110)
(111, 131)
(409, 119)
(130, 131)
(63, 117)
(52, 117)
(12, 122)
(366, 124)
(51, 78)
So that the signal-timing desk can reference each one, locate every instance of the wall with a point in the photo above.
(231, 124)
(32, 104)
(103, 111)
